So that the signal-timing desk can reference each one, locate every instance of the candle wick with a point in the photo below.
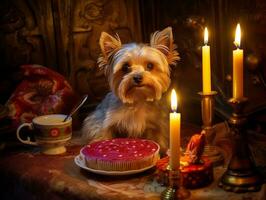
(236, 44)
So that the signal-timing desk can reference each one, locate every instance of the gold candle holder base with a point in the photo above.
(212, 152)
(175, 190)
(241, 174)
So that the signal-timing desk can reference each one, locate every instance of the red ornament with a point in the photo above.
(54, 132)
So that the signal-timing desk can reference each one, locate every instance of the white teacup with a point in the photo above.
(50, 132)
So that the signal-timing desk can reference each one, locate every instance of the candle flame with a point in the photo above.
(173, 100)
(237, 36)
(206, 36)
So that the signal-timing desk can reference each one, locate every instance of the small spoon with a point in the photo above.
(82, 101)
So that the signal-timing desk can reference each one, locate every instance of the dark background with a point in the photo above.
(63, 35)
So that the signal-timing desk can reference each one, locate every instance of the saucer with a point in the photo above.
(80, 161)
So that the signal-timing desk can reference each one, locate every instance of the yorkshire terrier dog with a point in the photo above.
(138, 75)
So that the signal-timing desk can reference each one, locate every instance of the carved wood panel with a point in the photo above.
(62, 35)
(27, 36)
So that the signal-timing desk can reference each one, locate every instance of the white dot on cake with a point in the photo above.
(104, 155)
(120, 155)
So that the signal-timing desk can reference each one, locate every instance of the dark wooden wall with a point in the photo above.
(64, 34)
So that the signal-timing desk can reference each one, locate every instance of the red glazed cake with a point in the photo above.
(121, 154)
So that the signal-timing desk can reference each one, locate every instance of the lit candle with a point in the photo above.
(206, 65)
(174, 133)
(238, 66)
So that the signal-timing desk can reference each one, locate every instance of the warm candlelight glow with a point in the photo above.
(206, 64)
(238, 66)
(173, 100)
(175, 124)
(206, 36)
(237, 36)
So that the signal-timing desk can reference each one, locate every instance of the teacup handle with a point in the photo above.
(27, 141)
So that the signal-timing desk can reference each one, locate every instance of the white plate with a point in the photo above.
(80, 161)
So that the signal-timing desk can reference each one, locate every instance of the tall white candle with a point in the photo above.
(175, 119)
(238, 66)
(206, 65)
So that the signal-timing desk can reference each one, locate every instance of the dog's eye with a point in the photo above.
(149, 66)
(126, 67)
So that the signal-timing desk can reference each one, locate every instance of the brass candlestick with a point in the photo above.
(175, 190)
(207, 112)
(241, 174)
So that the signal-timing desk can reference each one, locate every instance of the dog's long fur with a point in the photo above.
(138, 76)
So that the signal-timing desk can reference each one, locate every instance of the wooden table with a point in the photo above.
(28, 174)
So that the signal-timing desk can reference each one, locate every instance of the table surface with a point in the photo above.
(28, 174)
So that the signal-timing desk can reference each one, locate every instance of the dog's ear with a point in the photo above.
(164, 42)
(108, 45)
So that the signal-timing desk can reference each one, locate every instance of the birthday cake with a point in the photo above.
(121, 154)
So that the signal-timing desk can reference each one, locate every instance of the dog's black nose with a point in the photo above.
(137, 78)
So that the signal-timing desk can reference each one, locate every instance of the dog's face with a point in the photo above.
(138, 72)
